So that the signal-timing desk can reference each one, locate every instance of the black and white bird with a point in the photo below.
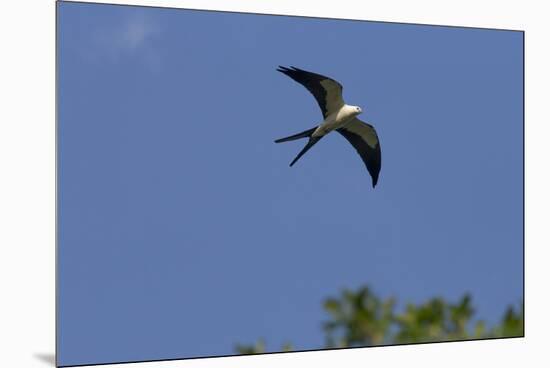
(336, 116)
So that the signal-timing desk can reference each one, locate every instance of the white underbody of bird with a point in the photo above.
(337, 120)
(336, 116)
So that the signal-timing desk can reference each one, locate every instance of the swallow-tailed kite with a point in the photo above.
(336, 116)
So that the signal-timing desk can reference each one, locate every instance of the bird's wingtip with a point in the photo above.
(284, 69)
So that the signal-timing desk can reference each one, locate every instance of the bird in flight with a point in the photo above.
(336, 116)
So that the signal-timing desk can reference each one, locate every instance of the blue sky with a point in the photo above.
(182, 230)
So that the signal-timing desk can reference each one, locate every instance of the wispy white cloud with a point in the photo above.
(135, 33)
(133, 37)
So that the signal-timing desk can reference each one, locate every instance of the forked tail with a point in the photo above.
(310, 143)
(304, 134)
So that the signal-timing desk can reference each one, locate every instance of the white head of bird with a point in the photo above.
(352, 111)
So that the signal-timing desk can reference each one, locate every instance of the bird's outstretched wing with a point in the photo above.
(326, 91)
(364, 139)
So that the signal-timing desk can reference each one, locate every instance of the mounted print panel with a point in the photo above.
(234, 183)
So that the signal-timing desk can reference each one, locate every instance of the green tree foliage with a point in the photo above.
(361, 318)
(257, 348)
(358, 318)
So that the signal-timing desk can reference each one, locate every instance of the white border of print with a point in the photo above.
(27, 187)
